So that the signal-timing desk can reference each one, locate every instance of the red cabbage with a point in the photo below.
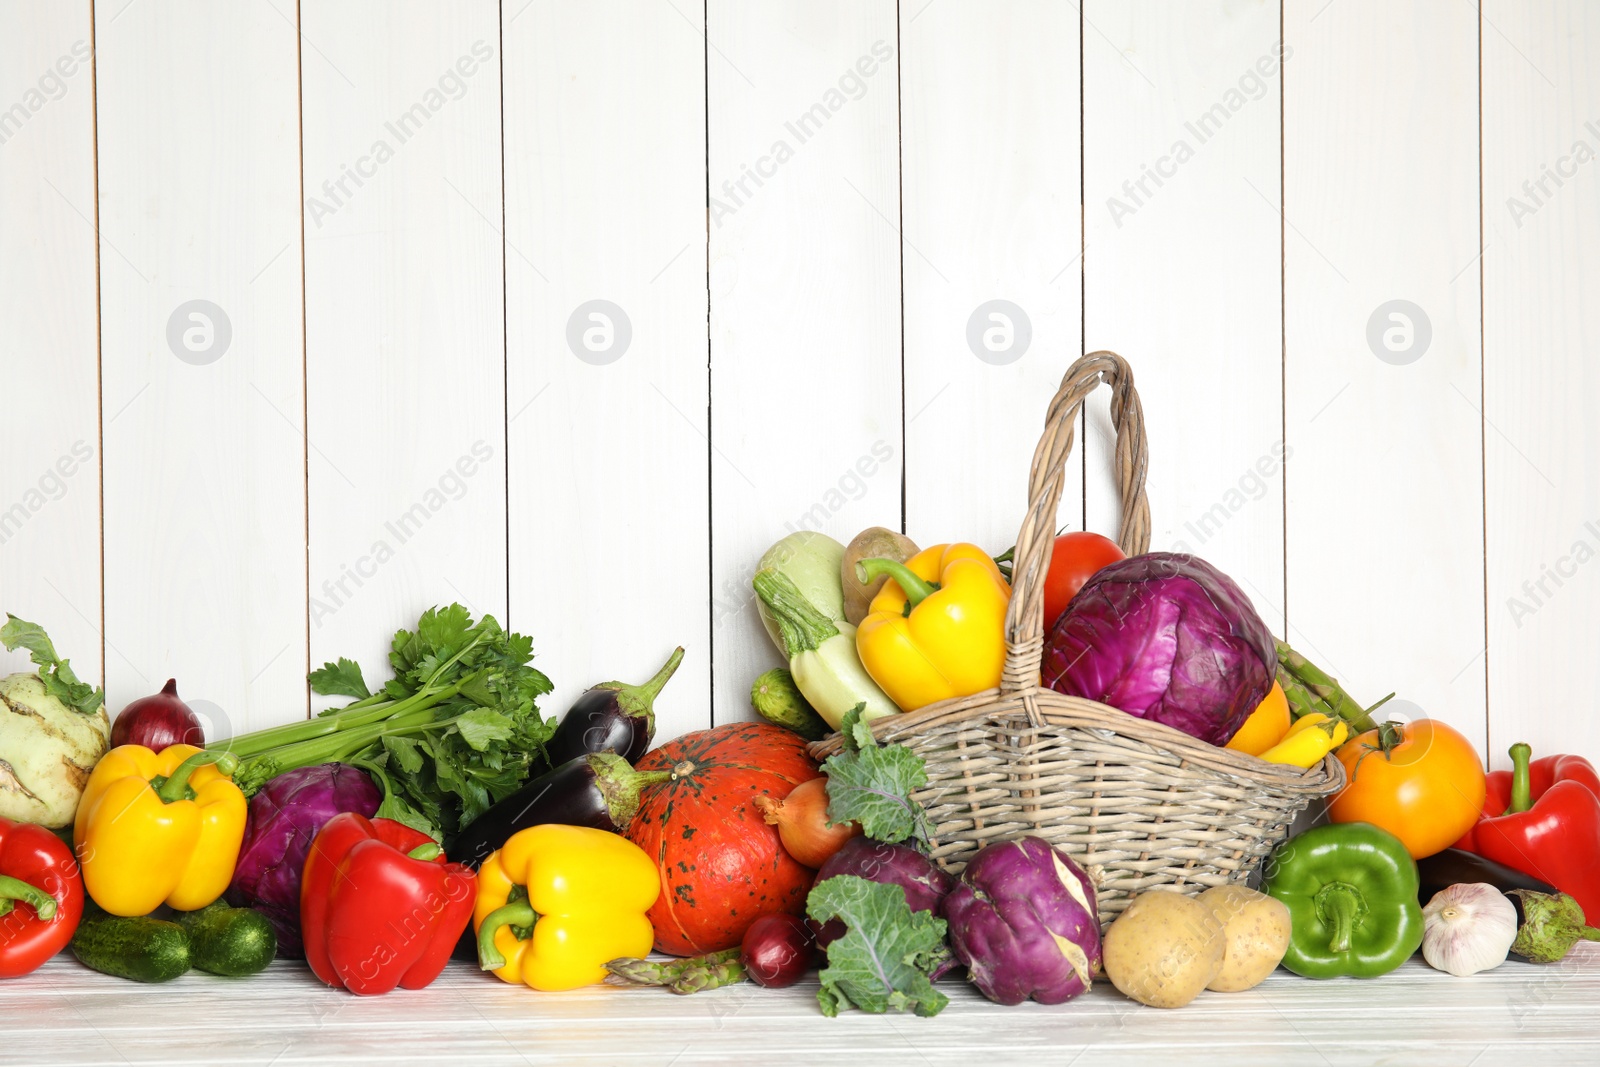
(1023, 920)
(879, 861)
(1166, 637)
(284, 817)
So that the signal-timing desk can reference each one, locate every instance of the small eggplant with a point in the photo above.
(1454, 866)
(599, 789)
(611, 717)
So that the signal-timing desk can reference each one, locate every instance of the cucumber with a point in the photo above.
(778, 700)
(234, 942)
(138, 948)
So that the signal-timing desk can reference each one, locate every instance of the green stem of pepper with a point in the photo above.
(516, 913)
(15, 889)
(176, 785)
(1340, 907)
(1521, 786)
(911, 584)
(428, 850)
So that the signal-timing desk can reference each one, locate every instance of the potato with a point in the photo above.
(1164, 949)
(1255, 929)
(874, 542)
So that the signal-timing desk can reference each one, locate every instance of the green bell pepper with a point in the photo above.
(1351, 890)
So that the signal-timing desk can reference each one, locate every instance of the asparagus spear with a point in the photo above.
(690, 975)
(1310, 688)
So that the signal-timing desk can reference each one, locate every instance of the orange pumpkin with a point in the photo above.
(722, 867)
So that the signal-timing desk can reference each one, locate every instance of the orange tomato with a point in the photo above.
(1266, 725)
(1422, 781)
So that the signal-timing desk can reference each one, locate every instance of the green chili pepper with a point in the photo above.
(1351, 890)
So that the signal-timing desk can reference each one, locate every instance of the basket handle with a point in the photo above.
(1025, 616)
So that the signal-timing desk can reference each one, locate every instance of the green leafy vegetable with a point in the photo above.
(888, 953)
(455, 730)
(394, 806)
(340, 679)
(871, 784)
(54, 672)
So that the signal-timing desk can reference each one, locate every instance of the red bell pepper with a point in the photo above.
(1542, 817)
(379, 906)
(41, 896)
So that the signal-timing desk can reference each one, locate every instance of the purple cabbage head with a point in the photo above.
(285, 816)
(878, 861)
(1167, 637)
(1023, 920)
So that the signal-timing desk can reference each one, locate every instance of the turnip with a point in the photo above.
(53, 730)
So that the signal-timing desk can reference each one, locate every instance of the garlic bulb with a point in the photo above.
(1468, 928)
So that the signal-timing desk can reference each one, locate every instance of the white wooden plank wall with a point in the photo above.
(1541, 279)
(626, 297)
(805, 294)
(405, 342)
(202, 395)
(993, 241)
(1385, 508)
(50, 477)
(605, 202)
(1181, 262)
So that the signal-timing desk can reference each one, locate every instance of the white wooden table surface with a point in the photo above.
(66, 1014)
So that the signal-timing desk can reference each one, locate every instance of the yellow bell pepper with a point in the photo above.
(1311, 737)
(936, 629)
(157, 828)
(1266, 726)
(557, 903)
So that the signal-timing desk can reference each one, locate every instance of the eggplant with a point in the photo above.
(1454, 866)
(611, 717)
(598, 789)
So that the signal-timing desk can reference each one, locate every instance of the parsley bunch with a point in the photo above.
(455, 730)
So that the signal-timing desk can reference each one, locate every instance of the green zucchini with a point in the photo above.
(138, 948)
(234, 942)
(811, 561)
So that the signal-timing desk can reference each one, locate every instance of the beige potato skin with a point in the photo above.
(871, 543)
(1164, 949)
(1256, 935)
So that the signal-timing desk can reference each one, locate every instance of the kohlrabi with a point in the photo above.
(53, 729)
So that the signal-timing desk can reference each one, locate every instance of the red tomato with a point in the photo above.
(1073, 561)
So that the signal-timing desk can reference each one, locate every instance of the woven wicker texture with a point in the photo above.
(1137, 803)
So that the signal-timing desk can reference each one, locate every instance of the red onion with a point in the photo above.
(777, 950)
(158, 721)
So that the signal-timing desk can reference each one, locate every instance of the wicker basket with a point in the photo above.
(1137, 803)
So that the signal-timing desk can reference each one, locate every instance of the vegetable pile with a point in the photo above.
(442, 816)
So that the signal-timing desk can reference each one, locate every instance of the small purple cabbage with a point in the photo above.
(1166, 637)
(878, 861)
(1023, 920)
(285, 816)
